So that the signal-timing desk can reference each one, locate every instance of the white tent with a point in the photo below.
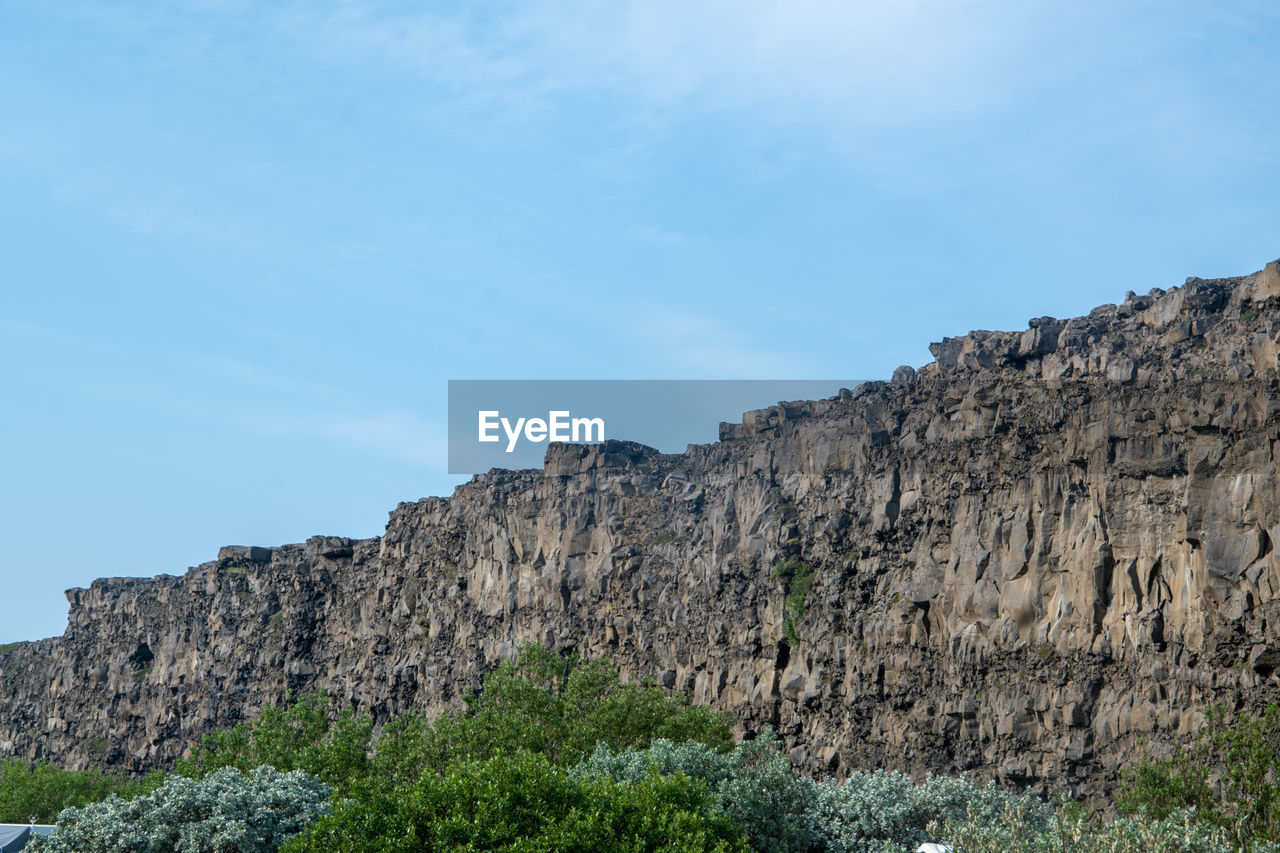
(14, 836)
(12, 840)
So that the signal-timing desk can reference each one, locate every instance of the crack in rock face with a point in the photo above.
(1033, 558)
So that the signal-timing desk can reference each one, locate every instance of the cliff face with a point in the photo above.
(1031, 556)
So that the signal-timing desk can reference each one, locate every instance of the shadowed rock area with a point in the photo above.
(1035, 558)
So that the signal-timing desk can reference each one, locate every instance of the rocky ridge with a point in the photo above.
(1035, 557)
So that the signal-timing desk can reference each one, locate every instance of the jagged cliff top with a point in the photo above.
(1204, 330)
(1154, 330)
(1030, 557)
(1207, 329)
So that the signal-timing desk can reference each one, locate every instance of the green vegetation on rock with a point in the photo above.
(557, 707)
(797, 578)
(300, 737)
(557, 754)
(1230, 776)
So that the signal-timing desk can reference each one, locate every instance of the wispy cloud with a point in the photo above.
(663, 238)
(398, 436)
(194, 387)
(157, 217)
(690, 345)
(252, 376)
(302, 407)
(904, 89)
(860, 73)
(734, 53)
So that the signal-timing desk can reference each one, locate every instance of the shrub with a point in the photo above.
(884, 811)
(300, 737)
(767, 798)
(226, 812)
(797, 578)
(525, 803)
(754, 785)
(1072, 832)
(778, 810)
(557, 707)
(692, 759)
(41, 790)
(1230, 776)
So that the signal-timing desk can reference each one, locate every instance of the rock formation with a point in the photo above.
(1035, 558)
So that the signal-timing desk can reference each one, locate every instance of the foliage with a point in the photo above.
(557, 707)
(754, 785)
(42, 790)
(1230, 776)
(692, 759)
(767, 798)
(1071, 831)
(300, 737)
(556, 753)
(779, 811)
(883, 810)
(226, 812)
(525, 803)
(797, 578)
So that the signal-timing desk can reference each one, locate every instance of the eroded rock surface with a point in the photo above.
(1036, 557)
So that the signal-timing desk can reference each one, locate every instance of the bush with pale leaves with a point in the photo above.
(226, 812)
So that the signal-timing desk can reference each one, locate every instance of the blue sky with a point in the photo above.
(245, 244)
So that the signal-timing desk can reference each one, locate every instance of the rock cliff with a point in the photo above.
(1033, 558)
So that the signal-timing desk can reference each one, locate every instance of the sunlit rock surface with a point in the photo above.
(1037, 557)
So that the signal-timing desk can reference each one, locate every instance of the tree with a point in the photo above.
(42, 790)
(557, 707)
(525, 803)
(298, 737)
(1230, 776)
